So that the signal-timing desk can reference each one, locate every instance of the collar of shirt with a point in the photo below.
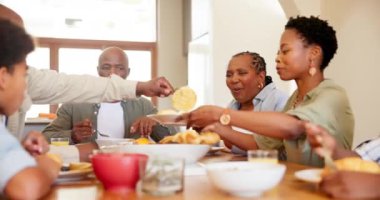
(258, 98)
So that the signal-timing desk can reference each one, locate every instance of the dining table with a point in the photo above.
(196, 186)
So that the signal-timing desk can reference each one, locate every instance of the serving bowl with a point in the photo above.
(118, 172)
(189, 152)
(104, 142)
(245, 179)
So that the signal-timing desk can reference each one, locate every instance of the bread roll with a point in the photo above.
(80, 165)
(355, 164)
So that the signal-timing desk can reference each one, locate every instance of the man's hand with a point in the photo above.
(35, 143)
(351, 185)
(155, 87)
(81, 131)
(144, 125)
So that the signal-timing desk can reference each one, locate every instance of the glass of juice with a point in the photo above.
(60, 141)
(268, 156)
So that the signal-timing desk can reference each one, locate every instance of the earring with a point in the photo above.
(312, 71)
(260, 85)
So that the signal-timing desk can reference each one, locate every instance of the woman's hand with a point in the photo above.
(143, 125)
(35, 143)
(203, 116)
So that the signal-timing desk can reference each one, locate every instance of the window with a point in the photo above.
(70, 38)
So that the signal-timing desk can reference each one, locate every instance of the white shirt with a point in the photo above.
(111, 120)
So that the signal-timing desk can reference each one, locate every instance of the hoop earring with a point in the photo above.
(312, 71)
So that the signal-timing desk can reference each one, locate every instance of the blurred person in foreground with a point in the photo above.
(25, 173)
(121, 119)
(306, 47)
(51, 87)
(253, 90)
(346, 184)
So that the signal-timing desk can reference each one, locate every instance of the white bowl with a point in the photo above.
(105, 142)
(245, 179)
(189, 152)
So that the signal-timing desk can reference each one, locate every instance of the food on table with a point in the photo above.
(56, 157)
(355, 164)
(184, 99)
(167, 112)
(143, 140)
(80, 166)
(47, 115)
(192, 137)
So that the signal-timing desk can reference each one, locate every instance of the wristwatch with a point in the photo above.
(225, 118)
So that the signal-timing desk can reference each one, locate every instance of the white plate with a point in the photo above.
(73, 175)
(168, 119)
(215, 149)
(309, 175)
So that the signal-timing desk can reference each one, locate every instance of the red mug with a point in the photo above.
(119, 172)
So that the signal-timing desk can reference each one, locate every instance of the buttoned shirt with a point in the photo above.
(326, 105)
(370, 150)
(268, 99)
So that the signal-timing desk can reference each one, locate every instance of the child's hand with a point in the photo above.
(35, 143)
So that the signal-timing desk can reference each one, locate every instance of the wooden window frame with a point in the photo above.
(54, 44)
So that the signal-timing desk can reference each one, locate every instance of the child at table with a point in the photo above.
(22, 176)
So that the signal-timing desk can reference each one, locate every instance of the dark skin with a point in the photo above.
(112, 61)
(342, 184)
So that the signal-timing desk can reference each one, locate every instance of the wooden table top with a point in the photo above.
(199, 187)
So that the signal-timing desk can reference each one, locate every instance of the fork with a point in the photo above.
(102, 134)
(329, 162)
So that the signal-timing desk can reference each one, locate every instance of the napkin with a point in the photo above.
(69, 153)
(77, 193)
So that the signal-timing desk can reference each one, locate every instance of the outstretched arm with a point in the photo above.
(272, 124)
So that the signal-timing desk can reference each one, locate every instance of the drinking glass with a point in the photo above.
(60, 141)
(268, 156)
(161, 176)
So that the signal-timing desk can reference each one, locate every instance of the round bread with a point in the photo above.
(209, 138)
(79, 165)
(184, 99)
(355, 164)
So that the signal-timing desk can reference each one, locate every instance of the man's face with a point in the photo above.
(113, 62)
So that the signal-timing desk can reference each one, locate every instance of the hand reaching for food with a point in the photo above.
(143, 125)
(81, 131)
(35, 143)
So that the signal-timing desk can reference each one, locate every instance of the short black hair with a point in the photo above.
(316, 31)
(15, 44)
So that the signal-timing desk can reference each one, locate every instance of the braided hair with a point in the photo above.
(258, 63)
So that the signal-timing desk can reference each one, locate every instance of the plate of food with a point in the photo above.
(74, 172)
(309, 175)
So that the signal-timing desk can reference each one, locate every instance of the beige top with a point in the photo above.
(326, 105)
(50, 87)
